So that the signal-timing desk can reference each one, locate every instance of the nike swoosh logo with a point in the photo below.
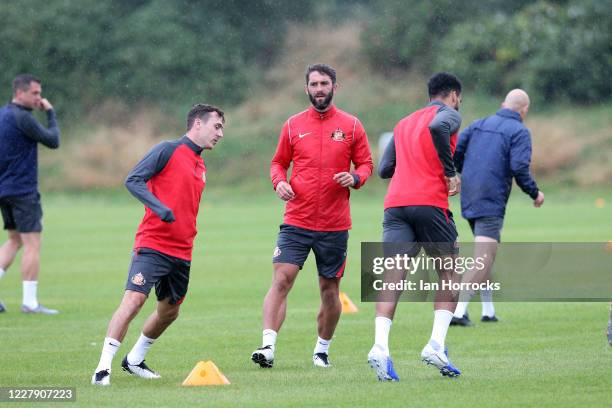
(301, 135)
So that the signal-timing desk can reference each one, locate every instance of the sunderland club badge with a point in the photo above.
(338, 135)
(138, 279)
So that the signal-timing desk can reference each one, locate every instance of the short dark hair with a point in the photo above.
(442, 83)
(201, 111)
(322, 69)
(22, 82)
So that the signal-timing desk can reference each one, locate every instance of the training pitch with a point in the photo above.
(545, 354)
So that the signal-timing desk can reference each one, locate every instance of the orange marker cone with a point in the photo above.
(205, 373)
(347, 305)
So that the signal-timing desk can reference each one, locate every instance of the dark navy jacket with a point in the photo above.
(489, 153)
(19, 135)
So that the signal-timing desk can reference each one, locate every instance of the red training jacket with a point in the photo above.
(320, 145)
(419, 176)
(175, 175)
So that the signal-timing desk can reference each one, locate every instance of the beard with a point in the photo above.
(321, 106)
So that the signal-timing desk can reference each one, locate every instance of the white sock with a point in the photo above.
(462, 304)
(486, 297)
(108, 352)
(322, 346)
(2, 272)
(442, 319)
(460, 309)
(381, 335)
(29, 294)
(269, 338)
(140, 349)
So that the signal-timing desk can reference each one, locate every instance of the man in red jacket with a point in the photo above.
(321, 142)
(419, 161)
(169, 181)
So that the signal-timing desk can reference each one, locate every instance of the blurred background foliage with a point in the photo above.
(560, 50)
(143, 51)
(123, 74)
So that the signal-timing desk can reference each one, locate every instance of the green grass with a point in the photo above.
(545, 354)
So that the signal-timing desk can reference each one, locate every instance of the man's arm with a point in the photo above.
(520, 159)
(282, 157)
(280, 164)
(386, 167)
(149, 166)
(361, 156)
(49, 137)
(446, 122)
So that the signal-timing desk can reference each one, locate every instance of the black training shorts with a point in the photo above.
(294, 244)
(170, 275)
(22, 213)
(426, 226)
(487, 227)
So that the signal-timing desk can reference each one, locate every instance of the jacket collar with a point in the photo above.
(312, 112)
(187, 141)
(20, 106)
(435, 103)
(509, 113)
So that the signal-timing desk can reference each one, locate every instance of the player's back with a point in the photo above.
(419, 176)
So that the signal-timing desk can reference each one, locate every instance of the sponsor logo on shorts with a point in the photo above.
(338, 135)
(138, 279)
(277, 252)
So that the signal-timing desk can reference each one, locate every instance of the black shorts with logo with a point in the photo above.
(426, 226)
(294, 244)
(168, 274)
(22, 213)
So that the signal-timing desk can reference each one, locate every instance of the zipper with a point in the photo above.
(320, 169)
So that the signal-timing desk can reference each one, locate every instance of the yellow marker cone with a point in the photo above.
(205, 373)
(347, 305)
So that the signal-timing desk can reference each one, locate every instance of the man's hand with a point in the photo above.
(45, 105)
(167, 216)
(284, 191)
(537, 203)
(345, 179)
(453, 184)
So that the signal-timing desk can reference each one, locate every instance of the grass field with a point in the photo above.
(545, 354)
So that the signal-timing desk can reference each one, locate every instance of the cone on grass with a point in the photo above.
(205, 373)
(347, 305)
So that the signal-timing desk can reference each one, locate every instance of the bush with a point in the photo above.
(160, 51)
(406, 33)
(555, 52)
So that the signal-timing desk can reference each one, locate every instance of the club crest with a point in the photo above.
(277, 252)
(338, 135)
(138, 279)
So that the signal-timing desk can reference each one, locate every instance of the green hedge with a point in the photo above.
(156, 51)
(559, 51)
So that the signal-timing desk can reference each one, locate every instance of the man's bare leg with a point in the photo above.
(117, 328)
(274, 311)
